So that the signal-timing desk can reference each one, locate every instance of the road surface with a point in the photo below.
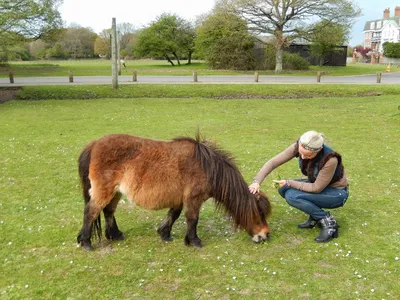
(387, 78)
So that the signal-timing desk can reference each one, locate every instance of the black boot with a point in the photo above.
(329, 229)
(310, 223)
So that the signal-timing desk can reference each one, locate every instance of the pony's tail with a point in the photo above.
(84, 162)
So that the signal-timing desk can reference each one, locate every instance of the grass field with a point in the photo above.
(159, 67)
(41, 205)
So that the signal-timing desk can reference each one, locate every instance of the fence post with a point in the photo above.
(134, 76)
(256, 76)
(194, 76)
(11, 75)
(378, 77)
(70, 77)
(319, 76)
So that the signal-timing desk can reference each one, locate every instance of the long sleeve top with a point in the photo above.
(323, 179)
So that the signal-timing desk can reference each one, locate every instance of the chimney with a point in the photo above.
(386, 13)
(397, 11)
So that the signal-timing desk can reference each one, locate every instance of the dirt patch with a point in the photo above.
(7, 94)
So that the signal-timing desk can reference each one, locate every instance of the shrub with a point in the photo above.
(291, 61)
(391, 49)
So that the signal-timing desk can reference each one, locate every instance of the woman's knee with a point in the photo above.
(291, 196)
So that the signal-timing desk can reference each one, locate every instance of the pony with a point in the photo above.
(179, 174)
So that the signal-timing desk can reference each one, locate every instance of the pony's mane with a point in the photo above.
(228, 187)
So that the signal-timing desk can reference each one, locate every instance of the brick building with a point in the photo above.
(386, 29)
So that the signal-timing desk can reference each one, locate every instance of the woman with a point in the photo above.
(326, 185)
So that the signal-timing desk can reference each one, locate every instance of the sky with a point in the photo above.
(93, 14)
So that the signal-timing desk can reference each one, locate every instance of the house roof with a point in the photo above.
(393, 20)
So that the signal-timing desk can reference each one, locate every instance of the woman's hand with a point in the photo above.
(281, 183)
(254, 188)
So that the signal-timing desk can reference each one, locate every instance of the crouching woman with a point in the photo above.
(326, 186)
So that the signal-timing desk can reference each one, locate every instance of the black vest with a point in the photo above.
(311, 167)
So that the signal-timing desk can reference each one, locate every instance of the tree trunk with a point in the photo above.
(169, 60)
(189, 58)
(177, 58)
(279, 59)
(280, 42)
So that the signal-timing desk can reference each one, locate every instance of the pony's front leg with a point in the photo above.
(91, 213)
(112, 231)
(192, 218)
(164, 230)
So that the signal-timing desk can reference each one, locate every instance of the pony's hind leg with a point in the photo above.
(112, 232)
(91, 219)
(164, 230)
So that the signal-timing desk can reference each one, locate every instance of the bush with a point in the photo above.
(291, 61)
(391, 49)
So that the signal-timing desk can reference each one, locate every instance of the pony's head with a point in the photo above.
(258, 229)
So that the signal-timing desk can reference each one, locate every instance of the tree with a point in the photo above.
(225, 43)
(363, 54)
(28, 19)
(79, 42)
(102, 44)
(325, 38)
(127, 34)
(168, 36)
(286, 19)
(37, 48)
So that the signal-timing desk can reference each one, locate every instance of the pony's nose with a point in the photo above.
(260, 237)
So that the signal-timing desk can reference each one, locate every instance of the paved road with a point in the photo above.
(387, 78)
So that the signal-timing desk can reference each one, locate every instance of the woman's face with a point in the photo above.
(306, 154)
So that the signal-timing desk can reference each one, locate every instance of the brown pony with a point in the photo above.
(177, 174)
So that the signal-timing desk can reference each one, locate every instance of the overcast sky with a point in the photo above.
(94, 14)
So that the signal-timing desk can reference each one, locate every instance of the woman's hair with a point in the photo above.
(312, 140)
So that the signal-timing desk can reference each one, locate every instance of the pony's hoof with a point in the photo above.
(195, 243)
(167, 238)
(87, 247)
(120, 237)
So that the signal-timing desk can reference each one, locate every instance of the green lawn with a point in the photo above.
(158, 67)
(41, 205)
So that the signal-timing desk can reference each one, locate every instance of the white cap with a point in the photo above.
(312, 140)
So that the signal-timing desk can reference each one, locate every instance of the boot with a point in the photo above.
(329, 229)
(310, 223)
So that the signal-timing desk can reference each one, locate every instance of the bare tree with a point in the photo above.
(126, 34)
(287, 20)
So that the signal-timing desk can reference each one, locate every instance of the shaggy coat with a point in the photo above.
(178, 174)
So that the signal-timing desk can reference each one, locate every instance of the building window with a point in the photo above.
(372, 26)
(379, 24)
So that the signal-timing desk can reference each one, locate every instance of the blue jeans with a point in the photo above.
(313, 203)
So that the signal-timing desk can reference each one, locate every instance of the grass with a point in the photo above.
(215, 91)
(159, 67)
(41, 205)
